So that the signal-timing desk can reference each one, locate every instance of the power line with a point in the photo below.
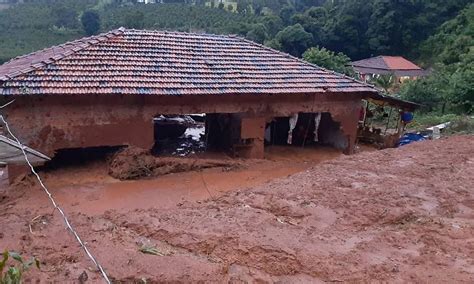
(7, 104)
(56, 206)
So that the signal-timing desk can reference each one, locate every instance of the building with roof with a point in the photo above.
(400, 67)
(105, 90)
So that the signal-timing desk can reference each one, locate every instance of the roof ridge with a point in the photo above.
(78, 45)
(180, 32)
(308, 63)
(371, 57)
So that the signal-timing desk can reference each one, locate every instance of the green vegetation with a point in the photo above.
(356, 28)
(384, 82)
(460, 125)
(434, 33)
(338, 62)
(90, 22)
(450, 88)
(14, 273)
(424, 120)
(177, 17)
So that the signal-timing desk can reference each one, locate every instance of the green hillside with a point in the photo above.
(352, 27)
(434, 33)
(450, 52)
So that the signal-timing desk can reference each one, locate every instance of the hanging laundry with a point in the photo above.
(293, 121)
(317, 121)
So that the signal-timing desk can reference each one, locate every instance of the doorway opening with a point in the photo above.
(179, 135)
(307, 129)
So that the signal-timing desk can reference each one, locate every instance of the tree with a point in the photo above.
(450, 87)
(338, 62)
(346, 27)
(273, 24)
(258, 33)
(385, 82)
(313, 21)
(427, 92)
(273, 43)
(294, 40)
(384, 28)
(90, 22)
(242, 6)
(65, 17)
(453, 39)
(134, 19)
(286, 13)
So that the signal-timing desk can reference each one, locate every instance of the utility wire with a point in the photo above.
(7, 104)
(56, 206)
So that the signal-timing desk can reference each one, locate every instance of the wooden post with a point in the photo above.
(388, 120)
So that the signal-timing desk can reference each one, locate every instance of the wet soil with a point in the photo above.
(134, 163)
(397, 215)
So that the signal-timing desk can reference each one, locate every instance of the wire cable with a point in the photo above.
(56, 206)
(7, 104)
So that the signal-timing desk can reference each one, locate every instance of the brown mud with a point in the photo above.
(135, 163)
(397, 215)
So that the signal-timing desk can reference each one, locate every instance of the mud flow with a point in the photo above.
(301, 215)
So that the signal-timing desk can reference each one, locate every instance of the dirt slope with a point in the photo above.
(395, 215)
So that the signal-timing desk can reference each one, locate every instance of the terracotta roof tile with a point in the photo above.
(400, 63)
(167, 63)
(386, 63)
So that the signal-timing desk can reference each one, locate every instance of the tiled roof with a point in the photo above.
(391, 63)
(145, 62)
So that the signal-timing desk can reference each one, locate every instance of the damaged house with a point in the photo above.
(106, 90)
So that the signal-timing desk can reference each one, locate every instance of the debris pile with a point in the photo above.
(135, 163)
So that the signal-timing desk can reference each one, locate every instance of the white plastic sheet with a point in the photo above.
(293, 121)
(10, 152)
(317, 121)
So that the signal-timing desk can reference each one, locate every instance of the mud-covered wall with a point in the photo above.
(51, 123)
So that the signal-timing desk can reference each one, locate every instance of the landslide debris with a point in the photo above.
(134, 163)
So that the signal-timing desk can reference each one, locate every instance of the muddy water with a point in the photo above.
(90, 190)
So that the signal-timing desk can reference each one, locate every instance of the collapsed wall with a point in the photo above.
(50, 123)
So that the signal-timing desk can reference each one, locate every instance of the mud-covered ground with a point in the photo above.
(398, 215)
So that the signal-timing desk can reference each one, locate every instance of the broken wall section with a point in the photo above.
(240, 134)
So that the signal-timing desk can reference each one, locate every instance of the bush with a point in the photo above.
(14, 274)
(90, 22)
(338, 62)
(460, 125)
(422, 121)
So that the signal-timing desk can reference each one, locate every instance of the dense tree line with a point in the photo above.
(450, 88)
(356, 28)
(326, 32)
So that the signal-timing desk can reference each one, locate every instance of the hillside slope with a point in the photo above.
(357, 28)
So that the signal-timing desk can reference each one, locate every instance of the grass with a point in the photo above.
(147, 249)
(460, 125)
(422, 121)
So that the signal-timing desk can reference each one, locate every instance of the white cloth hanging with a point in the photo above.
(317, 120)
(293, 121)
(268, 133)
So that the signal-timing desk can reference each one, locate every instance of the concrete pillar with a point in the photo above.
(349, 123)
(16, 170)
(252, 132)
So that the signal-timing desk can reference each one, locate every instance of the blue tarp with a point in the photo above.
(408, 138)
